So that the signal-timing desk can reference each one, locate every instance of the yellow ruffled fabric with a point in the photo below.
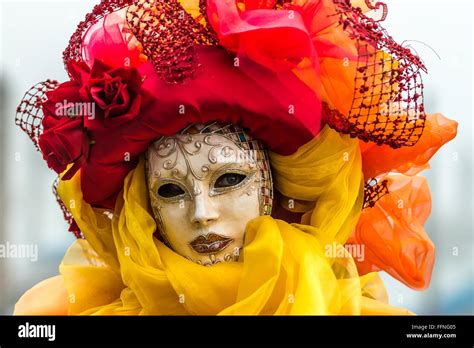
(284, 269)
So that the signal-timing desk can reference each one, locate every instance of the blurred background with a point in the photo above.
(33, 35)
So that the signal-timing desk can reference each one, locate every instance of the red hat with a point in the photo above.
(147, 68)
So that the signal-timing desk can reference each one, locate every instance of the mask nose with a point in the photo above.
(204, 212)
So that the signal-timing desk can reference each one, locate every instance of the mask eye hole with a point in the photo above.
(229, 180)
(170, 190)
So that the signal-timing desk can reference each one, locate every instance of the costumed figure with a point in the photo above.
(236, 157)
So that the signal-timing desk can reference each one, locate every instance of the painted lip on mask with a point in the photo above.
(210, 243)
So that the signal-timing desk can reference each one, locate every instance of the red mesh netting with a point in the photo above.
(373, 191)
(73, 51)
(203, 11)
(165, 29)
(168, 34)
(387, 106)
(29, 115)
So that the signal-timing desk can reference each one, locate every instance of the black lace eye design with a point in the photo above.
(170, 190)
(229, 180)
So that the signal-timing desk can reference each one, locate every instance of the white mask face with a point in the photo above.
(204, 189)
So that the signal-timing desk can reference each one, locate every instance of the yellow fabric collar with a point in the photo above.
(284, 269)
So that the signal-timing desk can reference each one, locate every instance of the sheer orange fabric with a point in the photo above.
(393, 236)
(410, 160)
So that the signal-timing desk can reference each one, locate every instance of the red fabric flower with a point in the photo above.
(64, 139)
(116, 93)
(63, 144)
(95, 99)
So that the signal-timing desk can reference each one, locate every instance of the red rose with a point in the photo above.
(116, 92)
(64, 101)
(93, 99)
(64, 143)
(64, 140)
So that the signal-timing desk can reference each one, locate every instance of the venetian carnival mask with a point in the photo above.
(205, 184)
